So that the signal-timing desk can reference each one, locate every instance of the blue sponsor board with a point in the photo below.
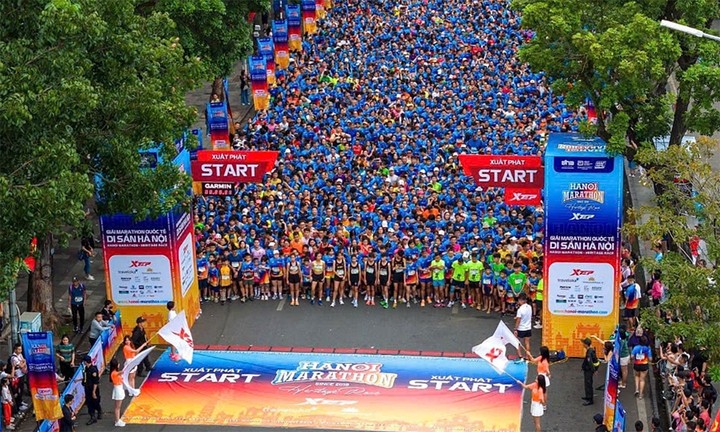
(583, 190)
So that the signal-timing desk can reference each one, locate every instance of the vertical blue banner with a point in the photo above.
(612, 379)
(40, 357)
(583, 221)
(620, 415)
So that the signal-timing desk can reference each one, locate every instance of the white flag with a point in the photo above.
(177, 333)
(503, 333)
(130, 365)
(493, 350)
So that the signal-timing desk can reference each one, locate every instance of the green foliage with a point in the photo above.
(216, 31)
(85, 85)
(615, 53)
(693, 296)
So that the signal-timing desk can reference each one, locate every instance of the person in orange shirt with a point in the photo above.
(537, 406)
(118, 393)
(225, 280)
(543, 363)
(297, 242)
(129, 351)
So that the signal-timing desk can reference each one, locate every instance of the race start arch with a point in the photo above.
(583, 213)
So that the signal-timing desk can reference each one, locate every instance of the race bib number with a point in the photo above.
(78, 299)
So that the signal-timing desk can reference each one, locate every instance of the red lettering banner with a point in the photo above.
(523, 196)
(232, 166)
(508, 171)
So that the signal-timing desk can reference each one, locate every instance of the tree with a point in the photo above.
(217, 31)
(85, 85)
(689, 207)
(615, 53)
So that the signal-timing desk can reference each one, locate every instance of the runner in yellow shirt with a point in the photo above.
(459, 281)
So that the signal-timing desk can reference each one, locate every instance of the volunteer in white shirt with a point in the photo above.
(523, 323)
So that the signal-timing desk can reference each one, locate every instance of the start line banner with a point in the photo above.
(331, 391)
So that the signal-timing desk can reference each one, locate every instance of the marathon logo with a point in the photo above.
(583, 192)
(353, 373)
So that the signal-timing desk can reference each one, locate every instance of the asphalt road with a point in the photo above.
(277, 324)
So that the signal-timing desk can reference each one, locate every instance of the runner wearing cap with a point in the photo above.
(426, 277)
(475, 269)
(437, 267)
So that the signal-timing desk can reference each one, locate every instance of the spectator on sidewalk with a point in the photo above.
(65, 352)
(91, 383)
(139, 339)
(77, 295)
(97, 326)
(108, 313)
(7, 404)
(599, 423)
(87, 251)
(67, 421)
(589, 367)
(18, 370)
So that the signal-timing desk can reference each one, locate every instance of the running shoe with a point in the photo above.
(537, 326)
(450, 304)
(384, 304)
(319, 302)
(312, 301)
(408, 304)
(463, 305)
(341, 301)
(327, 299)
(394, 305)
(422, 303)
(332, 304)
(355, 303)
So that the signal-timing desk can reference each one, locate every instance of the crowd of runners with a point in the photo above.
(367, 203)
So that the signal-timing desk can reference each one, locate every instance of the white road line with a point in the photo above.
(281, 305)
(642, 413)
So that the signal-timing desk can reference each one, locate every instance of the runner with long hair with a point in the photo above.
(355, 270)
(411, 280)
(370, 279)
(339, 279)
(317, 272)
(293, 277)
(538, 401)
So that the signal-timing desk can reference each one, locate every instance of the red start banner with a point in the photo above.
(524, 196)
(232, 166)
(508, 171)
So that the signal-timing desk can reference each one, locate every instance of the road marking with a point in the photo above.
(281, 305)
(455, 309)
(642, 413)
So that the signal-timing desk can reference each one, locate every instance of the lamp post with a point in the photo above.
(688, 30)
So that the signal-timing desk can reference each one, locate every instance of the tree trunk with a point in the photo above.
(679, 128)
(40, 297)
(218, 89)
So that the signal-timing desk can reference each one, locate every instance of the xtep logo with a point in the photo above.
(139, 263)
(519, 196)
(580, 216)
(579, 272)
(182, 334)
